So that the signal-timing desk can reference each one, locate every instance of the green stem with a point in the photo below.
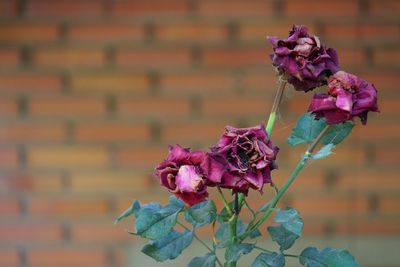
(262, 249)
(275, 106)
(250, 209)
(201, 242)
(293, 176)
(291, 255)
(228, 208)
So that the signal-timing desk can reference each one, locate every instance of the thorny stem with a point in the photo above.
(202, 242)
(275, 106)
(293, 176)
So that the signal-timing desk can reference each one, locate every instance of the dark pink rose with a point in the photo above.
(348, 96)
(183, 175)
(302, 59)
(243, 159)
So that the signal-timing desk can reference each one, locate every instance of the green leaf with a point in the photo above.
(201, 213)
(224, 215)
(132, 210)
(337, 133)
(168, 247)
(289, 228)
(269, 259)
(306, 130)
(323, 152)
(328, 257)
(154, 221)
(255, 233)
(205, 261)
(224, 235)
(235, 251)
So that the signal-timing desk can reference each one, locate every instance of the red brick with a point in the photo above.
(68, 57)
(205, 83)
(349, 57)
(112, 132)
(382, 79)
(235, 56)
(110, 82)
(8, 107)
(318, 8)
(235, 8)
(147, 157)
(153, 58)
(28, 82)
(386, 56)
(29, 131)
(376, 131)
(8, 158)
(379, 31)
(63, 257)
(30, 232)
(25, 182)
(67, 156)
(191, 32)
(150, 7)
(109, 181)
(238, 106)
(9, 57)
(387, 155)
(9, 207)
(264, 82)
(155, 107)
(389, 205)
(369, 181)
(99, 233)
(28, 33)
(106, 32)
(67, 206)
(67, 106)
(63, 8)
(9, 257)
(341, 31)
(384, 8)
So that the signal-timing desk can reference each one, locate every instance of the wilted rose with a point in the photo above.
(302, 59)
(348, 96)
(183, 175)
(244, 158)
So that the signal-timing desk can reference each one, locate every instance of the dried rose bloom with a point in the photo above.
(244, 159)
(183, 175)
(302, 59)
(348, 96)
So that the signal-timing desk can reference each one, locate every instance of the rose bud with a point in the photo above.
(348, 96)
(245, 158)
(183, 175)
(302, 59)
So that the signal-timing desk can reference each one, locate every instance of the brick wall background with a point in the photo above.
(93, 91)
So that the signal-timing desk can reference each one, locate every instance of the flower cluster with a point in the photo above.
(242, 159)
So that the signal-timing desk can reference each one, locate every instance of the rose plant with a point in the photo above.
(244, 158)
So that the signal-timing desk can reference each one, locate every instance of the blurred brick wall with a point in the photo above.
(93, 91)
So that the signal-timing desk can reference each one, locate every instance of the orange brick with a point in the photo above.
(235, 8)
(151, 7)
(106, 32)
(147, 157)
(9, 57)
(30, 232)
(369, 181)
(8, 158)
(67, 106)
(377, 228)
(238, 107)
(99, 233)
(28, 33)
(191, 32)
(8, 107)
(49, 8)
(28, 82)
(8, 8)
(389, 205)
(264, 82)
(328, 206)
(9, 206)
(318, 8)
(67, 156)
(376, 131)
(341, 31)
(153, 58)
(110, 82)
(67, 206)
(64, 257)
(384, 8)
(206, 83)
(112, 132)
(387, 155)
(382, 79)
(379, 31)
(109, 181)
(29, 131)
(9, 257)
(235, 56)
(387, 56)
(154, 107)
(68, 57)
(349, 57)
(25, 182)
